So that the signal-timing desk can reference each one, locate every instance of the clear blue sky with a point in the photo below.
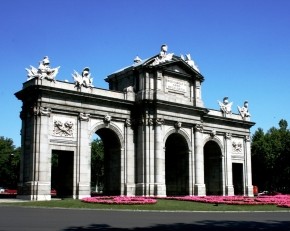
(242, 47)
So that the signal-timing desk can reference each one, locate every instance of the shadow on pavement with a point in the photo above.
(204, 225)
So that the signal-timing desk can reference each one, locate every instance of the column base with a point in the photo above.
(230, 190)
(250, 191)
(130, 190)
(160, 190)
(199, 190)
(34, 191)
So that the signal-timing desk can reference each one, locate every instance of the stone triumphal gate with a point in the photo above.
(159, 139)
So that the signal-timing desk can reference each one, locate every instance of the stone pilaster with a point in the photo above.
(141, 161)
(199, 187)
(37, 183)
(130, 159)
(228, 165)
(160, 187)
(248, 167)
(83, 160)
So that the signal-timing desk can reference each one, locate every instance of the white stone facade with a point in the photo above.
(159, 139)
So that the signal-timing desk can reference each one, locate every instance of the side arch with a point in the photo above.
(181, 132)
(177, 159)
(213, 166)
(217, 140)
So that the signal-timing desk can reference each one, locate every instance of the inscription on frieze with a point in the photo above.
(176, 85)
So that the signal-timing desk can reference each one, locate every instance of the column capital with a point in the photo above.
(228, 136)
(159, 121)
(84, 116)
(177, 125)
(198, 128)
(41, 111)
(247, 138)
(107, 119)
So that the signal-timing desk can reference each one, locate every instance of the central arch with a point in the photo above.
(212, 168)
(112, 161)
(176, 165)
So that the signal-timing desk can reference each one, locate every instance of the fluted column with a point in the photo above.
(199, 186)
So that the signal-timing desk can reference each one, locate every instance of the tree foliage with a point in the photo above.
(271, 158)
(9, 163)
(97, 163)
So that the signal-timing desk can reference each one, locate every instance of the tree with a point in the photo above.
(271, 158)
(97, 163)
(9, 163)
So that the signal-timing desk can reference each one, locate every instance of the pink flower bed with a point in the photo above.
(279, 200)
(120, 200)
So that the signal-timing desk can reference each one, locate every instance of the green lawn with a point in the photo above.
(171, 205)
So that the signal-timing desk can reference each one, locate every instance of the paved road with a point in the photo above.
(43, 219)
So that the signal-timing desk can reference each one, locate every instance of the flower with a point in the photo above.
(120, 200)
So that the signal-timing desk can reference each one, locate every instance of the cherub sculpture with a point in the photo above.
(226, 106)
(244, 111)
(84, 79)
(43, 71)
(191, 63)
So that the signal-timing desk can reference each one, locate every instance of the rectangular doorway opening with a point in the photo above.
(62, 173)
(238, 179)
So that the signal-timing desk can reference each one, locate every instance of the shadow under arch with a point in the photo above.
(213, 167)
(177, 150)
(113, 151)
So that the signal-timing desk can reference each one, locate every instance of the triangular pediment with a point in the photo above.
(174, 64)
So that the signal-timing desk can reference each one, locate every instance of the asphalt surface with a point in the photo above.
(13, 218)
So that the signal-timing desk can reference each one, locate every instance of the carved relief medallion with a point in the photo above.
(63, 127)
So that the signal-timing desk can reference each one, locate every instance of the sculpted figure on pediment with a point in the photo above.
(244, 111)
(43, 71)
(226, 106)
(163, 56)
(190, 62)
(83, 80)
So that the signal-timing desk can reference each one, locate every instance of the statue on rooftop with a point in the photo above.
(84, 79)
(43, 71)
(244, 111)
(226, 106)
(190, 62)
(163, 56)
